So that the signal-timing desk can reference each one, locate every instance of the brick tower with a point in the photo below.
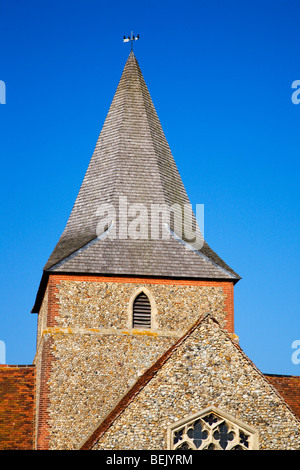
(116, 294)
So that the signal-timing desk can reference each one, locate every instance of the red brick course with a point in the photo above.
(17, 407)
(43, 433)
(55, 279)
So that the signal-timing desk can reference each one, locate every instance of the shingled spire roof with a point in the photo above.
(132, 160)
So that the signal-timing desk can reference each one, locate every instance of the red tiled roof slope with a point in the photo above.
(289, 388)
(17, 399)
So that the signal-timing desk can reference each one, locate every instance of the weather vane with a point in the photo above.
(131, 38)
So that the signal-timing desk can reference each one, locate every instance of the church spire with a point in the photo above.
(132, 167)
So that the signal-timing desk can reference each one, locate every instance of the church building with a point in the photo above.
(136, 347)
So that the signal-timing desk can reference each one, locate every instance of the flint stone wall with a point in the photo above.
(95, 358)
(207, 369)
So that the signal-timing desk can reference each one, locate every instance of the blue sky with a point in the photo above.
(220, 76)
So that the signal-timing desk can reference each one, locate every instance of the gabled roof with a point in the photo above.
(150, 373)
(132, 160)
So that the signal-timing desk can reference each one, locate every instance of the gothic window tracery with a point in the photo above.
(212, 429)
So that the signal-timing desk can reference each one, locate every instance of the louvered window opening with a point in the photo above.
(141, 312)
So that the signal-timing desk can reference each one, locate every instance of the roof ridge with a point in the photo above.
(205, 250)
(160, 130)
(290, 376)
(143, 91)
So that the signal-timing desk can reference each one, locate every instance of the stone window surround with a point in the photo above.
(148, 293)
(236, 423)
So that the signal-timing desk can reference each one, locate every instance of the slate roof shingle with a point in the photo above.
(132, 160)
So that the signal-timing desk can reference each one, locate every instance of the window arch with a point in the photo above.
(212, 429)
(142, 310)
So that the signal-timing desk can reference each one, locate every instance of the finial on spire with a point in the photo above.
(131, 38)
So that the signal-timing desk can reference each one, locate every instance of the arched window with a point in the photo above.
(212, 429)
(141, 314)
